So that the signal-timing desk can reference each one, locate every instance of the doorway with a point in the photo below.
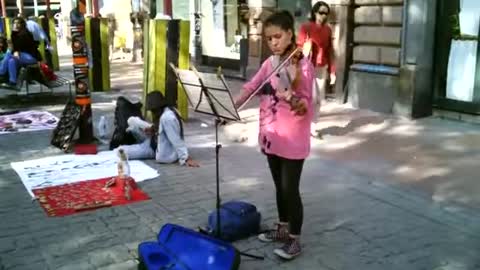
(457, 56)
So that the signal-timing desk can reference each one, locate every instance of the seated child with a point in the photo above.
(162, 140)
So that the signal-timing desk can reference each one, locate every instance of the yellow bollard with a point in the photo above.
(167, 42)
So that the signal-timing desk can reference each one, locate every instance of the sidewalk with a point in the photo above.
(379, 193)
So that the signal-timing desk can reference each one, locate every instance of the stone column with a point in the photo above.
(4, 9)
(414, 98)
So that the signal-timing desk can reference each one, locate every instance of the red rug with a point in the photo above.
(88, 195)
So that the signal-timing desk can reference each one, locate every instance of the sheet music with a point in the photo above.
(217, 89)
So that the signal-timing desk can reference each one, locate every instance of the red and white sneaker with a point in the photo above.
(290, 249)
(279, 234)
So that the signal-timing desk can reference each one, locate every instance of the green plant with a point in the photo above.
(456, 31)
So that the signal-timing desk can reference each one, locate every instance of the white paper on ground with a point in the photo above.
(39, 120)
(461, 70)
(58, 170)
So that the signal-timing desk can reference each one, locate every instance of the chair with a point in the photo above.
(32, 74)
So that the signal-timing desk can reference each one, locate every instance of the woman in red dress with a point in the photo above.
(315, 37)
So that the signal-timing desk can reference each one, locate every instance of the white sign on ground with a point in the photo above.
(58, 170)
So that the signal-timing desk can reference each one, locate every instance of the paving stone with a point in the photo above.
(247, 264)
(106, 213)
(126, 265)
(112, 255)
(123, 222)
(7, 245)
(21, 257)
(129, 235)
(80, 265)
(57, 260)
(14, 231)
(99, 241)
(35, 265)
(98, 226)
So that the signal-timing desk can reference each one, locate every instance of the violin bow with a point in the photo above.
(273, 73)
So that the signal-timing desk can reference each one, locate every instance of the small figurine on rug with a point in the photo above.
(122, 165)
(124, 173)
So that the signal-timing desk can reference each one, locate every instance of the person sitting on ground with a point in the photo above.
(162, 140)
(24, 52)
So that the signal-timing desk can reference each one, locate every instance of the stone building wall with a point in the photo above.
(378, 32)
(377, 42)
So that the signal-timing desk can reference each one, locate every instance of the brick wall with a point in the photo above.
(378, 32)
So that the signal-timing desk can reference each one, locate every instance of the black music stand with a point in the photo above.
(209, 94)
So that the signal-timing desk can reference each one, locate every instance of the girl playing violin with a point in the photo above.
(284, 137)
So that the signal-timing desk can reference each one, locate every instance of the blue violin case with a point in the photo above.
(179, 248)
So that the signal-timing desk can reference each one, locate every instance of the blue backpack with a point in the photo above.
(238, 220)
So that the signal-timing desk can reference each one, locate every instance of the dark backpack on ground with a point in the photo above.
(238, 220)
(124, 110)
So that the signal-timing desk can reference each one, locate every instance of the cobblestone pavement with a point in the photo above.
(353, 220)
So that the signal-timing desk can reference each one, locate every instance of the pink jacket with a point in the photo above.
(283, 133)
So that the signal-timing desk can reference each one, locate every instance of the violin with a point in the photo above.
(275, 71)
(289, 94)
(294, 56)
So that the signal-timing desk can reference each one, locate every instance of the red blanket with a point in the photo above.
(88, 195)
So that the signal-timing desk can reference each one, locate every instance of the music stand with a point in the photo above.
(209, 94)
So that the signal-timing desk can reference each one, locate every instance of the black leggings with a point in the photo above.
(286, 175)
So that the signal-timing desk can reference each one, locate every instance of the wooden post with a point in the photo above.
(20, 7)
(95, 10)
(4, 8)
(49, 11)
(167, 7)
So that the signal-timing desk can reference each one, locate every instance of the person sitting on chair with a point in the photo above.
(162, 140)
(24, 52)
(3, 47)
